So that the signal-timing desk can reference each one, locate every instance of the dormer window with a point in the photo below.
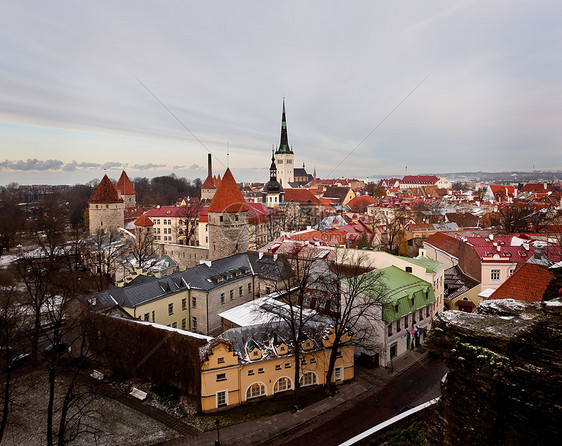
(256, 353)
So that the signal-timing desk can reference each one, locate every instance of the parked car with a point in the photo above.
(60, 347)
(19, 360)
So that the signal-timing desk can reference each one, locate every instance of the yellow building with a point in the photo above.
(247, 363)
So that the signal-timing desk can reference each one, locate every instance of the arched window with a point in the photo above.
(282, 384)
(255, 390)
(308, 379)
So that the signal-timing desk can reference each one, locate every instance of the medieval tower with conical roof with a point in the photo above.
(106, 209)
(284, 156)
(228, 220)
(126, 190)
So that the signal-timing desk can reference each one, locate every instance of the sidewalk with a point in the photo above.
(256, 432)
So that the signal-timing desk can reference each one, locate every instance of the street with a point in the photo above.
(415, 386)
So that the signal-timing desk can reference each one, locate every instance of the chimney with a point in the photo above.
(210, 164)
(539, 251)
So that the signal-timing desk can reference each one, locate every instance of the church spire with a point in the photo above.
(284, 144)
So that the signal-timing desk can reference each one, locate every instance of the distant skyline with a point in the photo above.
(73, 100)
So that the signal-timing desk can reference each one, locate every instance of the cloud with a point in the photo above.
(70, 167)
(148, 166)
(195, 166)
(111, 165)
(178, 167)
(31, 164)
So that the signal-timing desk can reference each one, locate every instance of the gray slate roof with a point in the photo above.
(200, 277)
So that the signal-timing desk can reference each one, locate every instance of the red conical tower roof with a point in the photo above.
(143, 220)
(105, 192)
(228, 197)
(209, 183)
(124, 185)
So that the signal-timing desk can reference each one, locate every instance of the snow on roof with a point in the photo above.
(251, 313)
(486, 293)
(175, 330)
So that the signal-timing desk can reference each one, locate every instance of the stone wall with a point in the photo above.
(504, 384)
(185, 256)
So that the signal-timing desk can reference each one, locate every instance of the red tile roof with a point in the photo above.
(535, 188)
(143, 220)
(105, 192)
(527, 284)
(228, 197)
(419, 179)
(124, 185)
(209, 183)
(360, 203)
(301, 196)
(445, 243)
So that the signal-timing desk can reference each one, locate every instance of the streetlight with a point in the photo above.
(218, 440)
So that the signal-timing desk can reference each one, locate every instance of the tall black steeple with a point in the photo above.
(284, 144)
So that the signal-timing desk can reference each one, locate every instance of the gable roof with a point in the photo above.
(301, 196)
(445, 243)
(228, 197)
(527, 284)
(124, 185)
(419, 179)
(105, 192)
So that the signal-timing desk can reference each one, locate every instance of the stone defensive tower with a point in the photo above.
(126, 190)
(228, 220)
(106, 209)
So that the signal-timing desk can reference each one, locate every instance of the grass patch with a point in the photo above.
(252, 411)
(413, 435)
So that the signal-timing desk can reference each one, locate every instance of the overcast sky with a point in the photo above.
(151, 86)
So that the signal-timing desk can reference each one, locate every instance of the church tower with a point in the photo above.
(284, 156)
(273, 193)
(228, 220)
(106, 209)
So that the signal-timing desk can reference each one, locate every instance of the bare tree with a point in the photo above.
(288, 307)
(189, 222)
(102, 253)
(354, 292)
(514, 217)
(11, 331)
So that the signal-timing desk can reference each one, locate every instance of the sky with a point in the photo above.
(372, 88)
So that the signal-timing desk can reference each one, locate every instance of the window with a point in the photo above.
(260, 371)
(146, 317)
(152, 316)
(249, 288)
(282, 348)
(312, 360)
(240, 291)
(390, 329)
(221, 218)
(174, 325)
(170, 309)
(184, 324)
(194, 323)
(267, 290)
(220, 360)
(396, 308)
(184, 304)
(511, 271)
(495, 274)
(193, 302)
(308, 379)
(222, 298)
(278, 367)
(221, 399)
(282, 384)
(338, 374)
(255, 390)
(408, 269)
(393, 351)
(397, 325)
(287, 366)
(231, 294)
(221, 376)
(256, 353)
(250, 372)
